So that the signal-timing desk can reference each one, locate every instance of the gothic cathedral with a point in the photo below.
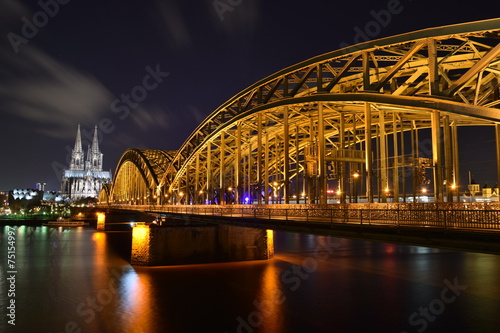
(84, 178)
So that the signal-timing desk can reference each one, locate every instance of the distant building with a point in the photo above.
(4, 196)
(474, 188)
(84, 178)
(51, 197)
(24, 199)
(486, 191)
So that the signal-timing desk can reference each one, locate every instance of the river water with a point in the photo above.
(80, 280)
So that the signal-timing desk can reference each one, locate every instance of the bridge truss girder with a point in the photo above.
(137, 176)
(265, 154)
(437, 78)
(359, 109)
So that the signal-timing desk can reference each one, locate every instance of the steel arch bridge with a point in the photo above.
(349, 120)
(137, 177)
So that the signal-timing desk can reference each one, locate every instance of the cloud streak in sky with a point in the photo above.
(42, 90)
(38, 88)
(172, 25)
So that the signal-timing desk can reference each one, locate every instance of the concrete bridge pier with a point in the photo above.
(101, 222)
(154, 245)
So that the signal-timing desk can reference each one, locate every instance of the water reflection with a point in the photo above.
(74, 279)
(138, 306)
(269, 311)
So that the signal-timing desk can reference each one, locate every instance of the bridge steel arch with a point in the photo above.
(137, 176)
(348, 120)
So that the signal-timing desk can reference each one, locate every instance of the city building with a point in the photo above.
(4, 196)
(85, 177)
(25, 199)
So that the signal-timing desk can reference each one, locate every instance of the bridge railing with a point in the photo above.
(480, 218)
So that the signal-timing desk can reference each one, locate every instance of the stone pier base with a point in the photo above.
(154, 245)
(101, 222)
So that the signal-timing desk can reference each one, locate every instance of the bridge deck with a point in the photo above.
(485, 220)
(465, 229)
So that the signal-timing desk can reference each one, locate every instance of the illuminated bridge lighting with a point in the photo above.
(340, 120)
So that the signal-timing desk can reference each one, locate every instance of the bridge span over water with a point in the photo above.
(377, 120)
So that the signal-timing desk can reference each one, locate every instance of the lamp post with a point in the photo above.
(355, 177)
(453, 187)
(329, 193)
(229, 195)
(303, 196)
(424, 192)
(275, 185)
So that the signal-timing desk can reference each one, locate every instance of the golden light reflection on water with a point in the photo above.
(269, 303)
(137, 302)
(270, 243)
(99, 239)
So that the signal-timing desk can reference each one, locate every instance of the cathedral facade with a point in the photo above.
(85, 177)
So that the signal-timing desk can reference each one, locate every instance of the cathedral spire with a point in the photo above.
(77, 155)
(95, 142)
(88, 162)
(78, 141)
(94, 155)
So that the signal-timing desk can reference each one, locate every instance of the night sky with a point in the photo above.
(75, 67)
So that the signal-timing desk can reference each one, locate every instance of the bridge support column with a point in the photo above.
(384, 186)
(341, 171)
(402, 145)
(395, 166)
(286, 157)
(266, 169)
(368, 153)
(210, 190)
(141, 245)
(101, 222)
(321, 156)
(259, 159)
(456, 167)
(197, 195)
(249, 171)
(436, 155)
(298, 193)
(311, 166)
(448, 159)
(497, 139)
(414, 155)
(222, 169)
(237, 167)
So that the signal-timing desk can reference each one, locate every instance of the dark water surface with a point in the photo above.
(79, 280)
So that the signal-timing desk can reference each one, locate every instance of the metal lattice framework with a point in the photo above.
(348, 119)
(137, 175)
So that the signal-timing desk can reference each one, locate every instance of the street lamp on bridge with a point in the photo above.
(354, 184)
